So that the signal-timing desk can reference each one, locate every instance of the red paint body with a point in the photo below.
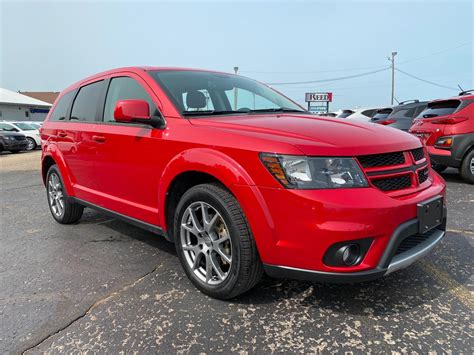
(129, 169)
(458, 125)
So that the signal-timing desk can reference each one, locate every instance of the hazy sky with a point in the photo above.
(48, 45)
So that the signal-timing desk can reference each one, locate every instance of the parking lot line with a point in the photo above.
(444, 279)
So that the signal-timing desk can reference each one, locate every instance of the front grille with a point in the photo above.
(423, 175)
(387, 159)
(412, 241)
(418, 154)
(20, 138)
(393, 183)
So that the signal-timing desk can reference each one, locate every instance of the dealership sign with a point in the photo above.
(318, 97)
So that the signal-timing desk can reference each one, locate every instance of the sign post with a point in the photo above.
(319, 97)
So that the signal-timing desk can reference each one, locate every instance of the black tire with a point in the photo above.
(71, 212)
(31, 144)
(466, 169)
(245, 269)
(438, 167)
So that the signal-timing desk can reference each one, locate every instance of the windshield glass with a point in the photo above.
(24, 126)
(440, 108)
(7, 127)
(199, 93)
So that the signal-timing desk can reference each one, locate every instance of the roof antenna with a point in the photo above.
(459, 86)
(398, 102)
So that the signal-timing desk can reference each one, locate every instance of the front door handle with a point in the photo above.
(62, 134)
(99, 139)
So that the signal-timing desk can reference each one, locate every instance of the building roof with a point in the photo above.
(14, 98)
(46, 96)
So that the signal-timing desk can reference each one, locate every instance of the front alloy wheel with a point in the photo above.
(214, 242)
(206, 243)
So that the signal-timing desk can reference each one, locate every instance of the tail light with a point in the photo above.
(386, 122)
(444, 142)
(450, 120)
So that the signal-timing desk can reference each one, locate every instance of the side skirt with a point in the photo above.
(133, 221)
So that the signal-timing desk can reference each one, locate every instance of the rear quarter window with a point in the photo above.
(60, 110)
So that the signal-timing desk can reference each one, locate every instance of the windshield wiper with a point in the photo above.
(279, 109)
(208, 112)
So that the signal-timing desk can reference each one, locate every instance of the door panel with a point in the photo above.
(128, 157)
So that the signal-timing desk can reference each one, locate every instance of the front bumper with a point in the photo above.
(15, 145)
(294, 229)
(389, 262)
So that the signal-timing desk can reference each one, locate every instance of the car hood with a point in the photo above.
(315, 135)
(11, 134)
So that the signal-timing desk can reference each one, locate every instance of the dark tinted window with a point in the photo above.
(125, 88)
(440, 108)
(345, 114)
(403, 113)
(85, 104)
(368, 113)
(382, 114)
(60, 110)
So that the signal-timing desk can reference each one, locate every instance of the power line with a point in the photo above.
(331, 79)
(436, 53)
(425, 81)
(312, 72)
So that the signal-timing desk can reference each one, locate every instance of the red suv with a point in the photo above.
(446, 127)
(242, 179)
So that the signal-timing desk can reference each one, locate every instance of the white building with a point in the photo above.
(18, 107)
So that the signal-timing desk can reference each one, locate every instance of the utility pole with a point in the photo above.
(392, 59)
(236, 69)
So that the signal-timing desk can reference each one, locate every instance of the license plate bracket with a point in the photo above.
(430, 214)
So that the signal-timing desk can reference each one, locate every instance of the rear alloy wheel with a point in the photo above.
(214, 242)
(62, 208)
(467, 167)
(31, 144)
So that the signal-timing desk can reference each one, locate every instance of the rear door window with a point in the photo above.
(60, 110)
(404, 113)
(85, 104)
(125, 88)
(440, 108)
(345, 114)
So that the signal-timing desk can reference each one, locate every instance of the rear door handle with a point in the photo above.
(99, 139)
(62, 134)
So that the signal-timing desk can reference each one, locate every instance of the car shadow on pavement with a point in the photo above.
(393, 294)
(397, 293)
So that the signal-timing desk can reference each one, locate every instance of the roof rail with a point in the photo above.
(465, 92)
(407, 101)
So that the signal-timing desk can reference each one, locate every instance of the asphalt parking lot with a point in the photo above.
(105, 286)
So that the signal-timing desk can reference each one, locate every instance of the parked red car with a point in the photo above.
(446, 127)
(242, 180)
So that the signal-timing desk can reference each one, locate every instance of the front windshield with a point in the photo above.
(24, 126)
(7, 128)
(200, 93)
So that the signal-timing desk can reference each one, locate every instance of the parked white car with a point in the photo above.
(363, 114)
(32, 134)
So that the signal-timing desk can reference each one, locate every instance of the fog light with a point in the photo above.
(349, 254)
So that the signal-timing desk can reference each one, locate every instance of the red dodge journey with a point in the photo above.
(243, 180)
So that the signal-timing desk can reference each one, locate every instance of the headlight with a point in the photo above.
(300, 172)
(8, 138)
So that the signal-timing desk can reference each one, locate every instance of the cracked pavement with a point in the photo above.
(105, 286)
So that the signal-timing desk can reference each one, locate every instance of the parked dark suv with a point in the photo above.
(11, 140)
(400, 116)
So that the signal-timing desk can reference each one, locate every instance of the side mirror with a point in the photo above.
(130, 111)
